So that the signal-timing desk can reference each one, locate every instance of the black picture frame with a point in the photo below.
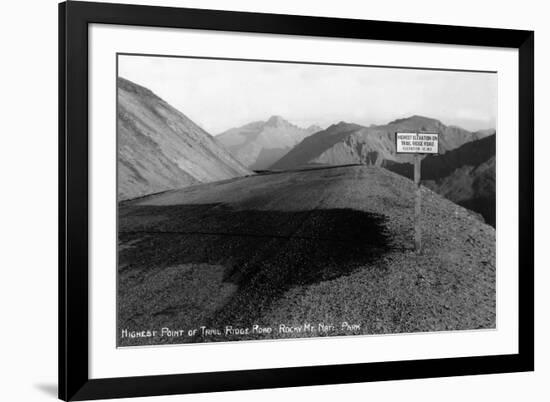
(74, 18)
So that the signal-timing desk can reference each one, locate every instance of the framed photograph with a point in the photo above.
(257, 200)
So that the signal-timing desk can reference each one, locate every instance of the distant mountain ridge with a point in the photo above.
(347, 143)
(465, 175)
(313, 146)
(159, 148)
(259, 144)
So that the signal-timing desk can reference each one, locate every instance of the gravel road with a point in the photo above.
(329, 249)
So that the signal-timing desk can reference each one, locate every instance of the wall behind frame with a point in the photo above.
(28, 169)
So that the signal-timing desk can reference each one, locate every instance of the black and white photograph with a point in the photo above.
(271, 200)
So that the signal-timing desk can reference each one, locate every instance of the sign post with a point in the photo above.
(417, 144)
(417, 206)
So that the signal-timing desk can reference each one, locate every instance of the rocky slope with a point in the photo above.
(259, 144)
(159, 148)
(465, 175)
(345, 143)
(324, 247)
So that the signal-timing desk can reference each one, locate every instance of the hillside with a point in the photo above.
(344, 143)
(465, 175)
(259, 144)
(323, 246)
(159, 148)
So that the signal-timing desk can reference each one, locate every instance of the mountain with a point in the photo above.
(312, 148)
(485, 133)
(472, 187)
(465, 175)
(346, 143)
(259, 144)
(159, 148)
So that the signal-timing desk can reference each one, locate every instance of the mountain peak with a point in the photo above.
(342, 125)
(276, 121)
(164, 149)
(261, 143)
(314, 128)
(417, 119)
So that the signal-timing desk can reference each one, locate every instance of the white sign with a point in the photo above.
(416, 143)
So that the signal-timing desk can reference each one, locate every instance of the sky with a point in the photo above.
(223, 94)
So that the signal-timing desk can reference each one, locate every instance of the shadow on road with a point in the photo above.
(264, 253)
